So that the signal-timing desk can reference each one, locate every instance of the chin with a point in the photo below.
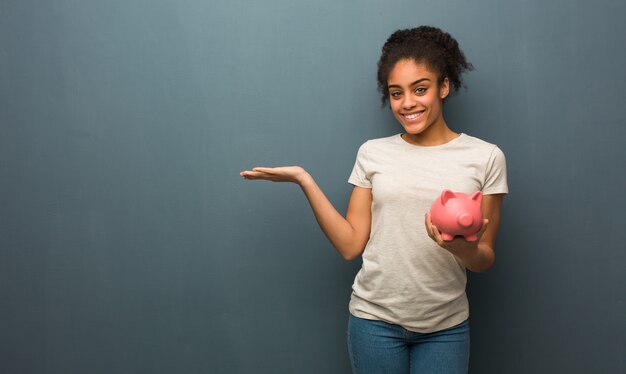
(415, 129)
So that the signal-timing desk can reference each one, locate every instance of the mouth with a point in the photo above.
(413, 116)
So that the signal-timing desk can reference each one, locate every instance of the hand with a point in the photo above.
(294, 174)
(457, 246)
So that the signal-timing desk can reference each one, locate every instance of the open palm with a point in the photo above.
(294, 174)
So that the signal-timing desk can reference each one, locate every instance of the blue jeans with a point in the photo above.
(381, 347)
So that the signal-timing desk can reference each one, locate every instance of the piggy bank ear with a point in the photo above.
(477, 196)
(447, 195)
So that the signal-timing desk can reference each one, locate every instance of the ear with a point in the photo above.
(447, 195)
(444, 90)
(477, 196)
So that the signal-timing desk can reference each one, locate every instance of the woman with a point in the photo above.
(408, 310)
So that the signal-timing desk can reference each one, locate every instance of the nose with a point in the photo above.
(408, 102)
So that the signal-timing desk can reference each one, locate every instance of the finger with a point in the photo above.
(433, 231)
(428, 225)
(254, 175)
(483, 228)
(437, 236)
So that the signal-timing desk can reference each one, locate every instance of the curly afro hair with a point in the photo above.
(424, 44)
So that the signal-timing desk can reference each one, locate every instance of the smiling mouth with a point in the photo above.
(413, 116)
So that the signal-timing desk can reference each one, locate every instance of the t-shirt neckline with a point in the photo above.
(415, 146)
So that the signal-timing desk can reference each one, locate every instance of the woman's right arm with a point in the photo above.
(348, 235)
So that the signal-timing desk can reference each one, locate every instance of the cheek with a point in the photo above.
(432, 102)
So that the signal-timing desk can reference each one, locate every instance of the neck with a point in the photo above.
(437, 134)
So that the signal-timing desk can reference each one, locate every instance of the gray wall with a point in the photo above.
(128, 242)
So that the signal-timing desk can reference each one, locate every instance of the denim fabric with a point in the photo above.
(378, 347)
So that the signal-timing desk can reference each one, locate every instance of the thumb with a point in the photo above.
(484, 226)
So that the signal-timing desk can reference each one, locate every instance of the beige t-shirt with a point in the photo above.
(406, 278)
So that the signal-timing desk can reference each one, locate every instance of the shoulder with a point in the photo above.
(474, 144)
(477, 142)
(374, 149)
(378, 143)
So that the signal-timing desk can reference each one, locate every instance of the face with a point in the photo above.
(416, 98)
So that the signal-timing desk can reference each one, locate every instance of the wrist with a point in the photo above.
(304, 179)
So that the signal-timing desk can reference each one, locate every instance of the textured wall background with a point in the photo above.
(128, 242)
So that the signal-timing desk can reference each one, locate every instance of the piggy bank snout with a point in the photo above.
(465, 219)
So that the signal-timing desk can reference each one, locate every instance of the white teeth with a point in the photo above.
(413, 115)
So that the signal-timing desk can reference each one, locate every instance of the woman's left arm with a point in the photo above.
(477, 256)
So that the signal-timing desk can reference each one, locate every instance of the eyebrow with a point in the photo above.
(412, 84)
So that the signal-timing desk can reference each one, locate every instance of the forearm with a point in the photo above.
(478, 259)
(337, 229)
(349, 235)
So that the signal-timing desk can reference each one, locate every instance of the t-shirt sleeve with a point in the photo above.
(359, 176)
(495, 174)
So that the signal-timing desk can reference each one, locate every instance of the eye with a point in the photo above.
(395, 94)
(420, 90)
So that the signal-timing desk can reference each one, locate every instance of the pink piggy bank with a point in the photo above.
(457, 214)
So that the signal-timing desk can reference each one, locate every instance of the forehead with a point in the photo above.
(407, 71)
